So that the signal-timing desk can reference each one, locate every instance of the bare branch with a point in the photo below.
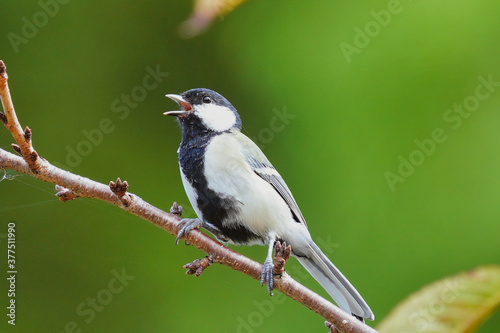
(70, 186)
(23, 138)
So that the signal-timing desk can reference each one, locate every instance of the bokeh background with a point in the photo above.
(352, 117)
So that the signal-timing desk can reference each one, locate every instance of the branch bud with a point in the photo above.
(27, 134)
(33, 156)
(3, 118)
(16, 148)
(3, 70)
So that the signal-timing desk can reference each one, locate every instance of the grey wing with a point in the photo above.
(264, 169)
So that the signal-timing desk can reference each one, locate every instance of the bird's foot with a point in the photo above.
(267, 276)
(186, 226)
(198, 266)
(282, 253)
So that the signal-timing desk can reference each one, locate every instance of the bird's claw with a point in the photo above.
(269, 270)
(267, 275)
(186, 226)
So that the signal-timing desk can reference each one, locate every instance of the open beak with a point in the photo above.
(185, 106)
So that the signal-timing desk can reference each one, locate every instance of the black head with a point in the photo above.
(205, 109)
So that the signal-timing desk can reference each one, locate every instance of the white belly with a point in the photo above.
(263, 211)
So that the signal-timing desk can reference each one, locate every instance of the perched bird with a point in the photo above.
(239, 196)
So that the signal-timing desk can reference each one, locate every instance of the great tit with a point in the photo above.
(239, 196)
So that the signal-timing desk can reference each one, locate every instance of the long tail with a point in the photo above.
(334, 282)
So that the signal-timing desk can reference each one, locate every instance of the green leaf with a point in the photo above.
(456, 304)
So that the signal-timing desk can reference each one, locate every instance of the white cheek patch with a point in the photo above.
(216, 117)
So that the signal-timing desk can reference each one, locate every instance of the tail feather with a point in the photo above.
(334, 282)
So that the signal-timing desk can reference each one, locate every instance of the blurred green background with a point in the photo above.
(356, 116)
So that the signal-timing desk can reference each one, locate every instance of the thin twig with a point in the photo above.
(70, 186)
(23, 138)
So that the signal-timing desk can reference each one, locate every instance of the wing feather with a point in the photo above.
(259, 163)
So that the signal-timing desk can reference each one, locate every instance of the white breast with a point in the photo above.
(263, 210)
(191, 194)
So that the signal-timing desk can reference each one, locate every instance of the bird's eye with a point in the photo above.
(207, 99)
